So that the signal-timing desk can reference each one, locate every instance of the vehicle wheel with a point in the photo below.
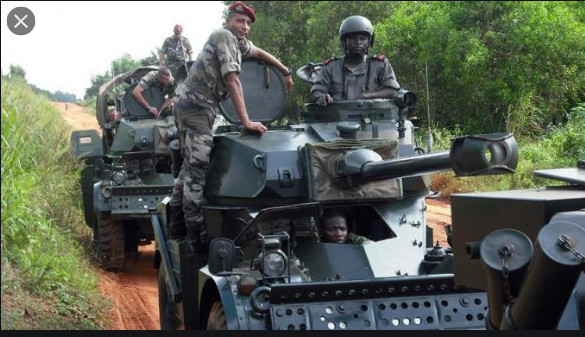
(217, 320)
(109, 242)
(167, 308)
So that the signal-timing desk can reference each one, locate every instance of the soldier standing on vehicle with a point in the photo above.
(161, 78)
(357, 75)
(175, 52)
(211, 79)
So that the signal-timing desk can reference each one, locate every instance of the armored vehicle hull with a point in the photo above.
(269, 267)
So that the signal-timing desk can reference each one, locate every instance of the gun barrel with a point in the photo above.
(469, 156)
(404, 167)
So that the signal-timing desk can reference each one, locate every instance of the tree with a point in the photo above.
(118, 66)
(493, 66)
(17, 71)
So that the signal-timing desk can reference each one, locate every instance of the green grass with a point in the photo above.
(47, 281)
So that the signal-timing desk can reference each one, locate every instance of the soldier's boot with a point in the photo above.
(198, 239)
(177, 223)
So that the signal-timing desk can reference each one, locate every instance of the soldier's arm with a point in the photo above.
(263, 55)
(320, 90)
(389, 84)
(161, 58)
(237, 95)
(137, 93)
(161, 53)
(189, 50)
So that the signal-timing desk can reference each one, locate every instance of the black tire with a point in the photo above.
(109, 242)
(167, 308)
(217, 319)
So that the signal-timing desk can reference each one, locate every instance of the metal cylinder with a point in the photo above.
(550, 279)
(505, 254)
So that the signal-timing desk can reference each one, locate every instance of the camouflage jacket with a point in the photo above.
(357, 239)
(176, 50)
(205, 84)
(149, 80)
(344, 82)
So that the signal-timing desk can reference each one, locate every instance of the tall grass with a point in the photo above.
(43, 234)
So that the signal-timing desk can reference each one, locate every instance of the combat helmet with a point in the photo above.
(356, 24)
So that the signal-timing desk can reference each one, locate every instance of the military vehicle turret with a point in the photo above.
(128, 167)
(268, 267)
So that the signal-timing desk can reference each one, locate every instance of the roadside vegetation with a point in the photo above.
(47, 281)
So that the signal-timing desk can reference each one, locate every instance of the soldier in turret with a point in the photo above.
(162, 79)
(356, 75)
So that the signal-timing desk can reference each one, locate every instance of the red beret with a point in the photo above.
(241, 8)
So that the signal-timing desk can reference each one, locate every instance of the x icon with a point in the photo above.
(20, 21)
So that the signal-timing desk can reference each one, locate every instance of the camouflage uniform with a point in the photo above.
(357, 239)
(199, 96)
(176, 52)
(149, 80)
(345, 82)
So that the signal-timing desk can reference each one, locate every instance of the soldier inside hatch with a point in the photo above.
(356, 75)
(334, 229)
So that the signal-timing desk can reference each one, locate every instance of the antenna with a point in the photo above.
(430, 136)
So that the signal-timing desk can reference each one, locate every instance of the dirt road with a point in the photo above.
(134, 291)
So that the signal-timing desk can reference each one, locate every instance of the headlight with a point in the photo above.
(107, 191)
(119, 177)
(274, 264)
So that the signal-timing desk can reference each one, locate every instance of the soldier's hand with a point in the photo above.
(324, 100)
(288, 82)
(154, 110)
(256, 126)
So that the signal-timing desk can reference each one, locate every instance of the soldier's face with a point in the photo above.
(240, 25)
(335, 230)
(164, 79)
(357, 44)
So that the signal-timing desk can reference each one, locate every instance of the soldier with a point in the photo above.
(212, 78)
(334, 226)
(175, 52)
(357, 75)
(165, 82)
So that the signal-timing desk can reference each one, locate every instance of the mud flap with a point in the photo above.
(87, 181)
(86, 144)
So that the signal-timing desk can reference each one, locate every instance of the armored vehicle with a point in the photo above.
(526, 248)
(128, 167)
(268, 266)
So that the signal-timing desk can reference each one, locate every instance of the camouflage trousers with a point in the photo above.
(196, 144)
